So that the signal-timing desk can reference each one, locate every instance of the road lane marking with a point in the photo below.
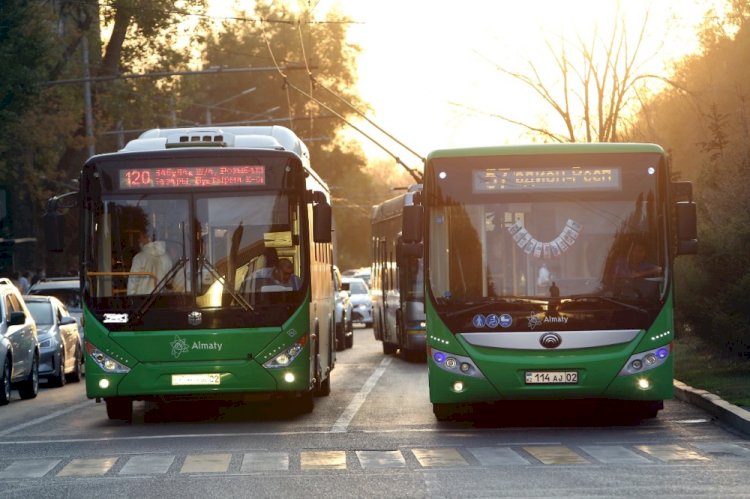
(36, 468)
(265, 461)
(670, 452)
(88, 467)
(323, 460)
(723, 449)
(149, 464)
(440, 457)
(42, 419)
(342, 424)
(381, 459)
(613, 454)
(554, 454)
(206, 463)
(497, 456)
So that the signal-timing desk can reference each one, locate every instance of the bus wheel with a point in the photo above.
(389, 348)
(324, 388)
(647, 409)
(350, 339)
(120, 408)
(305, 403)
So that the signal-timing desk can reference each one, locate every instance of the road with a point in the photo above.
(374, 436)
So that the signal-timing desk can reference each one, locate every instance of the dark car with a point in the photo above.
(60, 345)
(65, 289)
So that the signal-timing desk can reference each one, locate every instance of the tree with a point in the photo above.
(598, 82)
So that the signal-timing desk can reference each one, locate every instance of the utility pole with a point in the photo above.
(89, 119)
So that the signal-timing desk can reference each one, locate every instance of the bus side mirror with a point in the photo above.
(411, 230)
(54, 231)
(687, 228)
(322, 221)
(404, 251)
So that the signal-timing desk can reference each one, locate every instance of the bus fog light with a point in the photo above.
(458, 386)
(104, 383)
(644, 384)
(451, 362)
(289, 377)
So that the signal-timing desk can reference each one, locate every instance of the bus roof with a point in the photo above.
(394, 206)
(245, 137)
(567, 148)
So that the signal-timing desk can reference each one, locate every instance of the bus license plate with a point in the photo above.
(196, 379)
(551, 377)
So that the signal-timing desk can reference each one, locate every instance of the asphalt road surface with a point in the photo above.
(374, 436)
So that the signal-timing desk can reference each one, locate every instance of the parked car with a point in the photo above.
(344, 324)
(19, 345)
(60, 345)
(359, 295)
(65, 289)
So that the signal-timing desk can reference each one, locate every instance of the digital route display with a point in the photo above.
(203, 176)
(548, 179)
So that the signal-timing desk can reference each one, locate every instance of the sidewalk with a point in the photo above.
(729, 414)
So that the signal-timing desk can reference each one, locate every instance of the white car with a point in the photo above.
(344, 326)
(359, 295)
(19, 345)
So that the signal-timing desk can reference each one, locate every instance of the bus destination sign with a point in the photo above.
(202, 176)
(548, 179)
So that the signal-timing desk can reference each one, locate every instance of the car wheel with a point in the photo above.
(77, 374)
(29, 388)
(5, 382)
(119, 408)
(58, 379)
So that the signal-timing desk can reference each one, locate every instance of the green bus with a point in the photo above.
(206, 269)
(549, 273)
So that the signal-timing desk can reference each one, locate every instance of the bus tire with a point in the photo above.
(29, 388)
(389, 348)
(324, 389)
(444, 412)
(349, 340)
(305, 403)
(119, 408)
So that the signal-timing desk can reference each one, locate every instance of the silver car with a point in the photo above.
(60, 346)
(359, 295)
(19, 345)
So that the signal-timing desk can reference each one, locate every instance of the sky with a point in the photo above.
(429, 67)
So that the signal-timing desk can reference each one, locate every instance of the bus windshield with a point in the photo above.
(201, 250)
(537, 232)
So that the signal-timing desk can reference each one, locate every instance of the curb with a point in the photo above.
(729, 414)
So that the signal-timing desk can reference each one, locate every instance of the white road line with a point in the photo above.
(343, 422)
(42, 419)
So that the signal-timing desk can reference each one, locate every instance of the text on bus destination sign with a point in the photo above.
(550, 179)
(202, 176)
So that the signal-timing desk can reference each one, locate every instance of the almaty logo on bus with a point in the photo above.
(180, 346)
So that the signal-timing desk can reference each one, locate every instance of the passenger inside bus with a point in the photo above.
(149, 265)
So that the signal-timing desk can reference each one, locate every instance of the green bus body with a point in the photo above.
(224, 205)
(533, 289)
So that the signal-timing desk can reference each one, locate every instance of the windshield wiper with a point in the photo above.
(583, 298)
(151, 298)
(202, 262)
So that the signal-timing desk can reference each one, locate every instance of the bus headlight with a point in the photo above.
(644, 361)
(456, 364)
(105, 362)
(284, 358)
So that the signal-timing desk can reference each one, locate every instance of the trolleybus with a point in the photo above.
(225, 215)
(549, 273)
(396, 282)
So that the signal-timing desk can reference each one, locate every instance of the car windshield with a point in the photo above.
(41, 311)
(357, 288)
